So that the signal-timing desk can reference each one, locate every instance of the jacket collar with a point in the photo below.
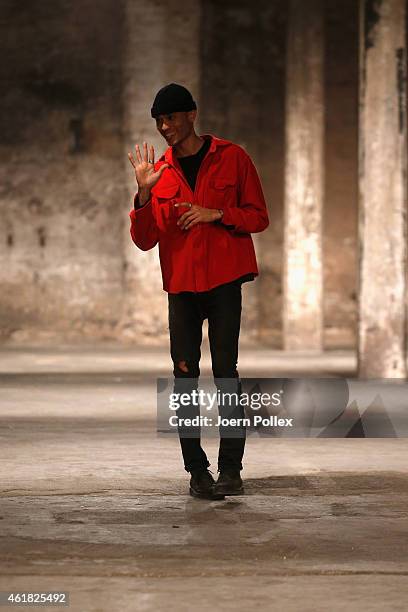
(216, 142)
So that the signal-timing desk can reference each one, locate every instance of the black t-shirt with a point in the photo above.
(190, 164)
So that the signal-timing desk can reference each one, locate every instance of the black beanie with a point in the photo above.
(172, 98)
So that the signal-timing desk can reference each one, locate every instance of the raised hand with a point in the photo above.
(145, 174)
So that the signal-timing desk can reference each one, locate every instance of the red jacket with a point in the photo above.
(208, 254)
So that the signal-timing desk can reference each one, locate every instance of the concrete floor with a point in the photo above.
(94, 503)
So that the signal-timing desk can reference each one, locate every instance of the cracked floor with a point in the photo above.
(94, 503)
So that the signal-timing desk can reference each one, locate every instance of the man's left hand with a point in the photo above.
(196, 214)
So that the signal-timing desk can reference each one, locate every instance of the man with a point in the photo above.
(200, 202)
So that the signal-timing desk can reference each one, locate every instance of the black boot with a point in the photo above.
(202, 485)
(229, 483)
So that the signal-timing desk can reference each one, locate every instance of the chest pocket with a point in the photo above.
(223, 191)
(167, 195)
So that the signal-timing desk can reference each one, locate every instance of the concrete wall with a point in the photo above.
(65, 184)
(340, 257)
(62, 180)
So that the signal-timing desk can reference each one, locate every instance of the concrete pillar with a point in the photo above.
(302, 281)
(161, 46)
(382, 183)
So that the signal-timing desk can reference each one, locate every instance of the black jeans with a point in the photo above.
(187, 311)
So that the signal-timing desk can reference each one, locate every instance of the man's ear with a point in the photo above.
(192, 115)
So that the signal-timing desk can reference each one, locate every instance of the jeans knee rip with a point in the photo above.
(182, 365)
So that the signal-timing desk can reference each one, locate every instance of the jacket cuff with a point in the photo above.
(226, 219)
(136, 202)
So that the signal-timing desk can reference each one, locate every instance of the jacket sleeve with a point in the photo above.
(143, 227)
(251, 214)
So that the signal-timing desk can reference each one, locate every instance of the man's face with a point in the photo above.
(176, 127)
